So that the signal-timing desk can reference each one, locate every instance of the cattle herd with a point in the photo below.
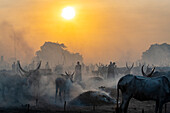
(95, 88)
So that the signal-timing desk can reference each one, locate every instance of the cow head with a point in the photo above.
(147, 75)
(68, 76)
(30, 72)
(32, 76)
(129, 68)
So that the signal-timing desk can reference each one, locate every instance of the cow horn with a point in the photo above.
(72, 74)
(132, 66)
(20, 73)
(38, 67)
(143, 71)
(149, 75)
(128, 66)
(21, 68)
(66, 73)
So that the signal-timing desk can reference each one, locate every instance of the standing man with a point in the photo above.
(13, 67)
(47, 66)
(78, 76)
(113, 70)
(109, 72)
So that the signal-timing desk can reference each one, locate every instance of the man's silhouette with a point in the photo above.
(78, 76)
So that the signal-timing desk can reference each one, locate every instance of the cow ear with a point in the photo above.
(66, 73)
(62, 74)
(72, 75)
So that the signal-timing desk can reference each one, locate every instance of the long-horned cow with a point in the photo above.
(128, 71)
(33, 75)
(12, 81)
(16, 81)
(155, 74)
(63, 85)
(33, 78)
(146, 74)
(143, 89)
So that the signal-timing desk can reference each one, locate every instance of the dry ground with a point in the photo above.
(134, 107)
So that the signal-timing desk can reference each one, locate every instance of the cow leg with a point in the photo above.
(37, 93)
(160, 107)
(156, 107)
(16, 93)
(125, 102)
(126, 105)
(64, 95)
(3, 93)
(60, 95)
(68, 94)
(56, 94)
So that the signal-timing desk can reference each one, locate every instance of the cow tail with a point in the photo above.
(117, 101)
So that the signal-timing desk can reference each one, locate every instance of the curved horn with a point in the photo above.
(143, 71)
(132, 66)
(66, 73)
(20, 73)
(149, 75)
(127, 66)
(38, 67)
(21, 68)
(72, 74)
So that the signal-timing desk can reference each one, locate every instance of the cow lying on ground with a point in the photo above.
(110, 90)
(143, 89)
(91, 98)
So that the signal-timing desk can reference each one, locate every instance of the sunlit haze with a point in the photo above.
(101, 30)
(68, 13)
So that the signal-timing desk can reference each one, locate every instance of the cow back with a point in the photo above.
(150, 88)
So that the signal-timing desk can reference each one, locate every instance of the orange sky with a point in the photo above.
(103, 30)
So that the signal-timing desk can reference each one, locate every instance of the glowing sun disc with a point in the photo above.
(68, 13)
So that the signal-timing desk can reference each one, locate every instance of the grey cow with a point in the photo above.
(63, 86)
(143, 89)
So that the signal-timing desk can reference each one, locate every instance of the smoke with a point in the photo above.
(157, 54)
(13, 44)
(47, 87)
(57, 54)
(46, 91)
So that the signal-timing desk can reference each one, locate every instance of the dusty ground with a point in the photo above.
(134, 107)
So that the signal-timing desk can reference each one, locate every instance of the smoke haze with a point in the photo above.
(101, 31)
(13, 43)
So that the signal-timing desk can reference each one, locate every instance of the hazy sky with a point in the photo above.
(103, 30)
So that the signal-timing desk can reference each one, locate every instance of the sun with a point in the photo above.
(68, 13)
